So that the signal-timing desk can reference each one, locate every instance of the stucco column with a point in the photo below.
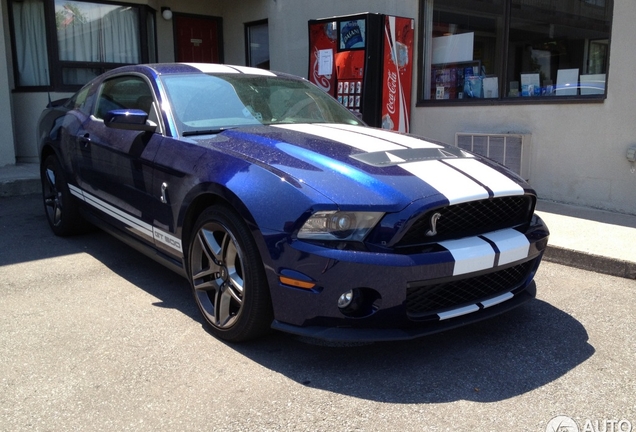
(7, 146)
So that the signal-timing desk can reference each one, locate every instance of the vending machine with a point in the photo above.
(365, 61)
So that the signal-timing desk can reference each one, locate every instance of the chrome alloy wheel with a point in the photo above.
(218, 275)
(227, 276)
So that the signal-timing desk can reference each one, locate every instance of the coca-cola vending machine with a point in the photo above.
(365, 61)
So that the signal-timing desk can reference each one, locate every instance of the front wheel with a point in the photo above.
(227, 276)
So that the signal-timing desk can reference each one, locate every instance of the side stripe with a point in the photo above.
(134, 223)
(167, 239)
(130, 221)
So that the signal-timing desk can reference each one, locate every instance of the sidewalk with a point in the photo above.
(581, 237)
(590, 239)
(20, 179)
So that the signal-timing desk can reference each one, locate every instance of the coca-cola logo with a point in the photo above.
(322, 81)
(392, 85)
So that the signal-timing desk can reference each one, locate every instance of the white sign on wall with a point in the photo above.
(453, 49)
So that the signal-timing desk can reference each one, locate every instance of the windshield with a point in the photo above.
(211, 103)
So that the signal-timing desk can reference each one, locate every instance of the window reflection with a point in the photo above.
(502, 49)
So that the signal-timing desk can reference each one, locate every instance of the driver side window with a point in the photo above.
(127, 92)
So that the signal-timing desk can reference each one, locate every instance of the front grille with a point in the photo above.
(425, 300)
(471, 218)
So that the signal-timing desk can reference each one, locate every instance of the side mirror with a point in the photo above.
(129, 119)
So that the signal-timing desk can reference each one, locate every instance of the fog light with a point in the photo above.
(359, 302)
(345, 300)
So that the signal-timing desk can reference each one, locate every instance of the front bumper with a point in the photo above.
(354, 334)
(408, 295)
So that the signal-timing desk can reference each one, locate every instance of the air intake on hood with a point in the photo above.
(396, 157)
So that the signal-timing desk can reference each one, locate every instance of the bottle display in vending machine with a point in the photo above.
(365, 62)
(349, 76)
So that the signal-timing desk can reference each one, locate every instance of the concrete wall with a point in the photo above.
(7, 148)
(288, 31)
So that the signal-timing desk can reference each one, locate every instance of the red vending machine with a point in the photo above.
(366, 62)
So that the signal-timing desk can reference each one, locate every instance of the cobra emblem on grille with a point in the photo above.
(433, 230)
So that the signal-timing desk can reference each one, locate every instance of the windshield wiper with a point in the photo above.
(206, 131)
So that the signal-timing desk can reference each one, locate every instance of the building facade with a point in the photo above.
(540, 85)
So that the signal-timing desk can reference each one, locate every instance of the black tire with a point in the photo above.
(60, 206)
(227, 277)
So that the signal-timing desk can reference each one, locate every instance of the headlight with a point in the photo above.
(339, 225)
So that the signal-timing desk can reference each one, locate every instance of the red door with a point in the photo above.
(198, 39)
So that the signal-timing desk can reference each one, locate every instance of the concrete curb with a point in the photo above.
(20, 187)
(591, 262)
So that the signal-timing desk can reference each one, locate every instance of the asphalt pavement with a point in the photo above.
(586, 238)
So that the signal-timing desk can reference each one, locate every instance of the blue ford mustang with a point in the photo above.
(283, 210)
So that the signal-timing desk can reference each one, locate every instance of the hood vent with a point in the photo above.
(401, 156)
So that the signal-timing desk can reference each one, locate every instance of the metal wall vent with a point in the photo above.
(511, 150)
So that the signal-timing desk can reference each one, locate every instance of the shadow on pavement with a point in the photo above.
(486, 362)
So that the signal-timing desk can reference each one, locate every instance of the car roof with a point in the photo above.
(194, 68)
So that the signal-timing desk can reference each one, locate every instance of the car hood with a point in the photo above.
(358, 166)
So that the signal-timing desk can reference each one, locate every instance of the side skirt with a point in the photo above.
(152, 253)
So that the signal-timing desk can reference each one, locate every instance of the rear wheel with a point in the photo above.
(60, 206)
(227, 276)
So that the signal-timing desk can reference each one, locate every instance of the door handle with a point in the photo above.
(164, 194)
(84, 140)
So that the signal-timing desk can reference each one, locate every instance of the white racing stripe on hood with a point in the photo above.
(498, 183)
(354, 139)
(455, 186)
(405, 140)
(459, 180)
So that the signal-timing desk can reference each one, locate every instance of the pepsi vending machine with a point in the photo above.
(365, 62)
